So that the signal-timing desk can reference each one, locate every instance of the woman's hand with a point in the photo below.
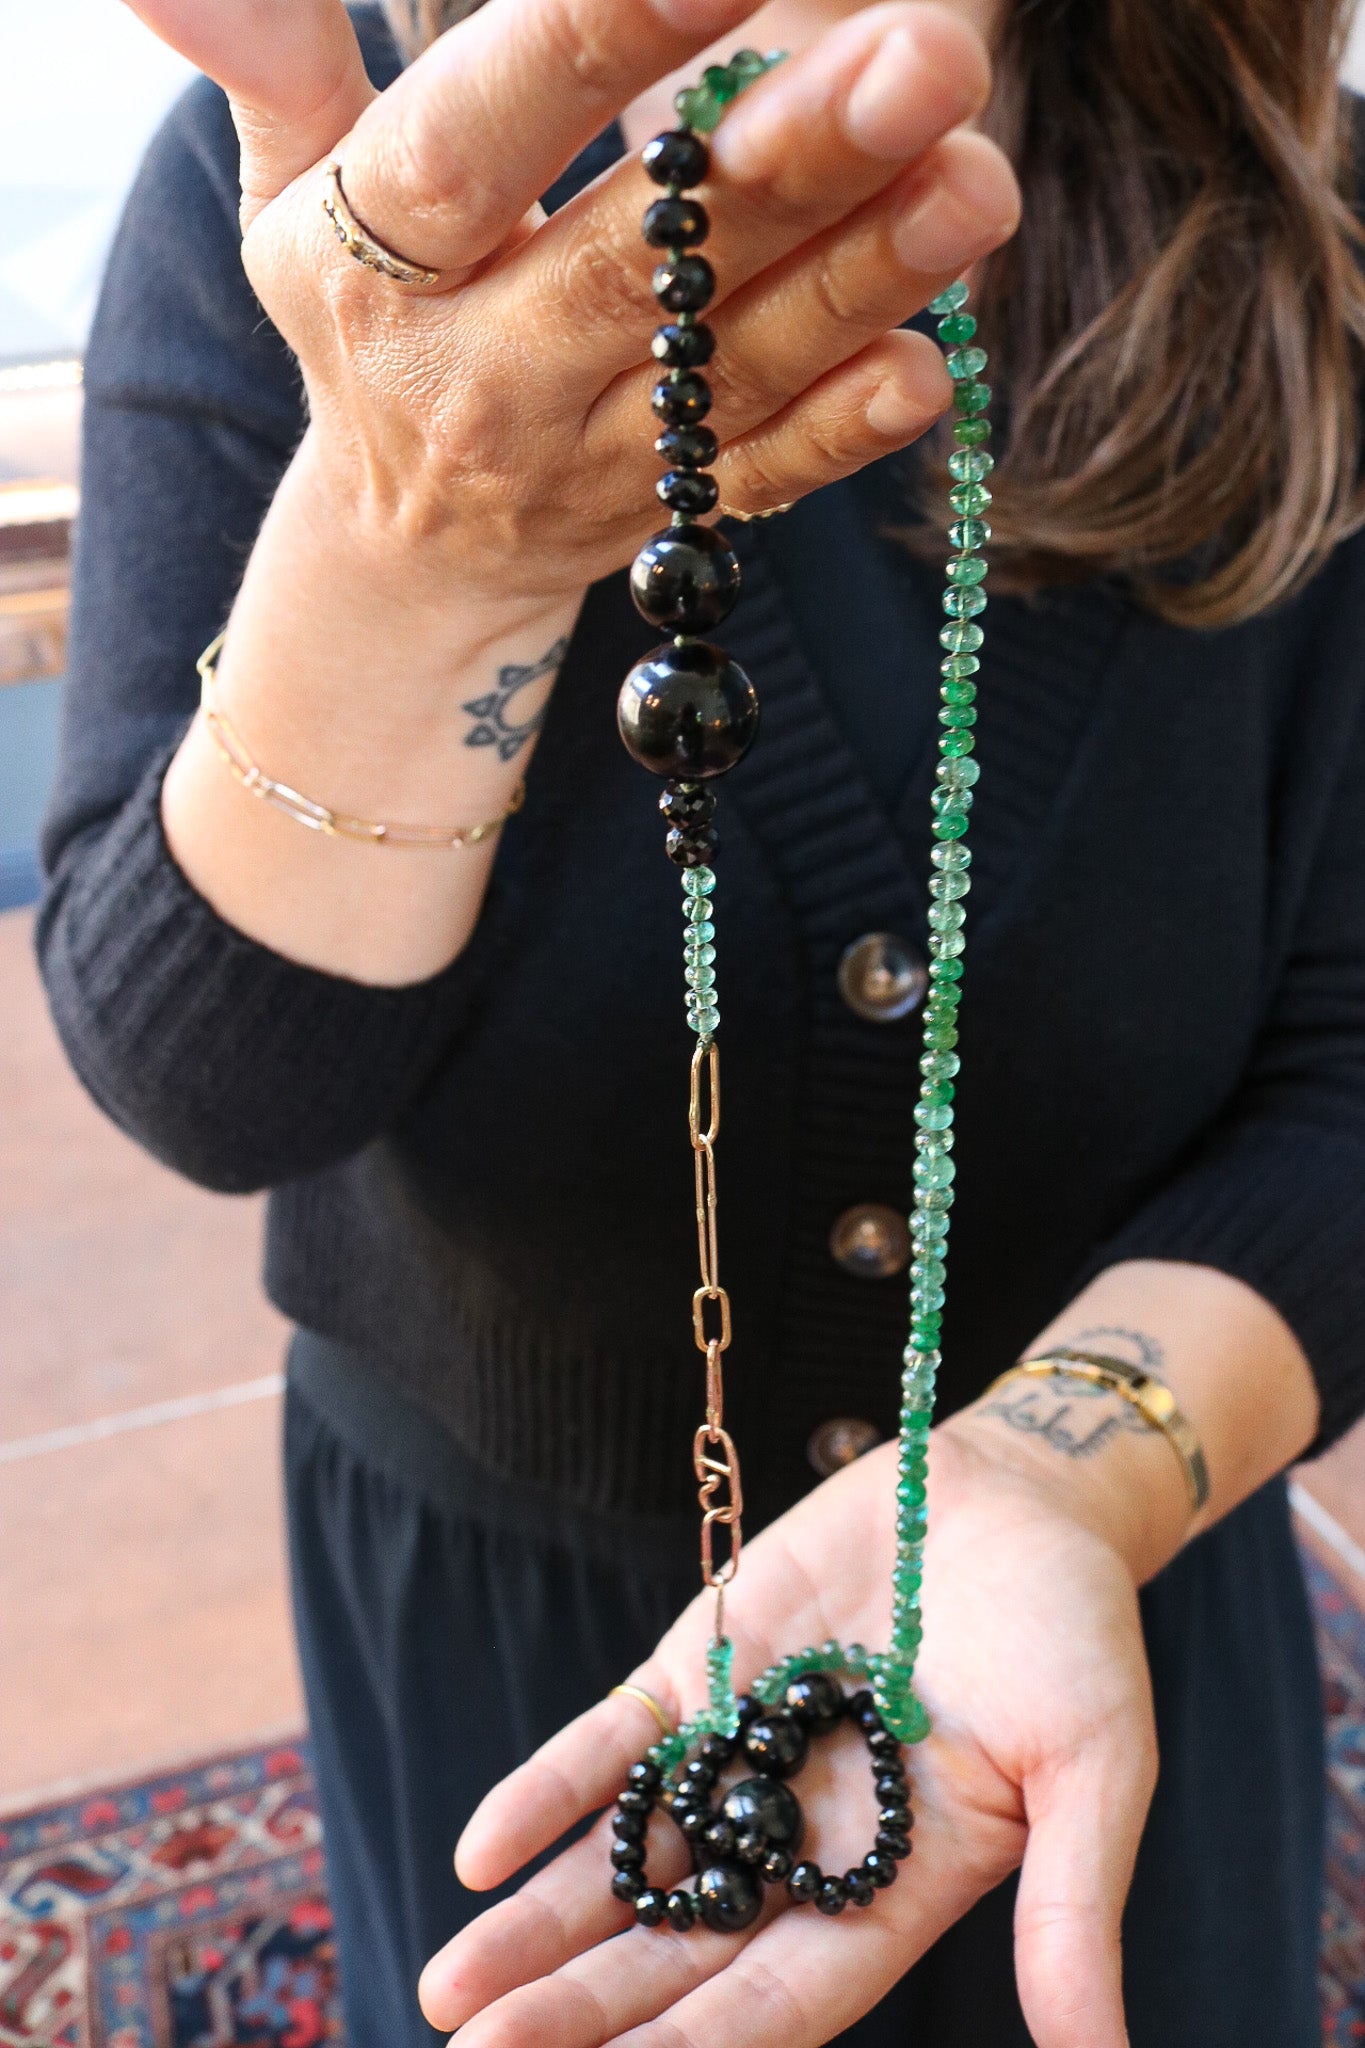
(1043, 1749)
(496, 426)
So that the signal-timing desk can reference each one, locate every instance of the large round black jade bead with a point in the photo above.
(770, 1808)
(685, 578)
(729, 1897)
(688, 711)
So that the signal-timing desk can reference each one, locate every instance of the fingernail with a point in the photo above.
(973, 209)
(894, 414)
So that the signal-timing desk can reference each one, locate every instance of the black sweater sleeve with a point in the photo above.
(1274, 1192)
(234, 1065)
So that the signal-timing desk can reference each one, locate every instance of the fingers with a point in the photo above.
(808, 155)
(1085, 1823)
(575, 1772)
(293, 74)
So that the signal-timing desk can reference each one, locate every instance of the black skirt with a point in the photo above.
(449, 1623)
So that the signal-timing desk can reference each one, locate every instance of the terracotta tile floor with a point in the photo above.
(143, 1610)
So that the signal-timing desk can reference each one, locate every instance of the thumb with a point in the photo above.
(291, 69)
(1086, 1817)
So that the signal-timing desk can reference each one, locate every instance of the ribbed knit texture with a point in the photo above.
(483, 1183)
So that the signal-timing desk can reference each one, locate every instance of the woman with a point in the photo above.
(460, 1073)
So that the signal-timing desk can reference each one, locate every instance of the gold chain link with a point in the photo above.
(714, 1458)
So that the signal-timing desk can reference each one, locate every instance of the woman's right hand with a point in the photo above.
(497, 424)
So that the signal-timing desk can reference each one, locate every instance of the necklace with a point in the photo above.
(688, 713)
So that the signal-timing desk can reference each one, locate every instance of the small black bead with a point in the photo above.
(687, 490)
(696, 849)
(685, 579)
(861, 1703)
(832, 1897)
(750, 1846)
(747, 1708)
(883, 1743)
(683, 399)
(650, 1906)
(676, 224)
(694, 1822)
(770, 1808)
(895, 1814)
(628, 1855)
(676, 158)
(805, 1881)
(816, 1700)
(691, 803)
(688, 447)
(634, 1801)
(728, 1898)
(777, 1864)
(893, 1842)
(880, 1868)
(645, 1776)
(720, 1837)
(699, 1776)
(683, 348)
(629, 1827)
(716, 1750)
(776, 1744)
(627, 1886)
(684, 284)
(891, 1785)
(681, 1910)
(859, 1886)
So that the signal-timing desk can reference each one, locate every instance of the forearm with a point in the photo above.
(1233, 1366)
(351, 662)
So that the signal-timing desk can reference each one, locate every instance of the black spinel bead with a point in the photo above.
(684, 284)
(893, 1842)
(895, 1814)
(859, 1886)
(716, 1750)
(695, 1822)
(860, 1705)
(832, 1896)
(750, 1846)
(777, 1864)
(681, 1910)
(776, 1744)
(676, 158)
(628, 1827)
(805, 1881)
(880, 1868)
(689, 803)
(645, 1776)
(728, 1897)
(683, 348)
(628, 1855)
(685, 579)
(883, 1743)
(695, 849)
(688, 447)
(816, 1700)
(676, 224)
(892, 1784)
(635, 1801)
(720, 1837)
(650, 1906)
(682, 400)
(699, 1776)
(687, 490)
(627, 1886)
(770, 1808)
(747, 1708)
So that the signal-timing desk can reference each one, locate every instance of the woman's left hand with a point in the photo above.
(1043, 1751)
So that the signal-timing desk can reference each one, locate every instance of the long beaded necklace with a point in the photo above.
(688, 713)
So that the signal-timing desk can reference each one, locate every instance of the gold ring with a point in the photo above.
(357, 240)
(646, 1699)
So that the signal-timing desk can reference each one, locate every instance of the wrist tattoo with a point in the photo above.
(499, 721)
(1149, 1354)
(1073, 1416)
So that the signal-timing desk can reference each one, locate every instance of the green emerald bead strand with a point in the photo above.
(699, 953)
(700, 107)
(964, 599)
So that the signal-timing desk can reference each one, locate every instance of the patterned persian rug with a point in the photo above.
(189, 1910)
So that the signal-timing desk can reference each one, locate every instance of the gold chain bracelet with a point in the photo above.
(304, 810)
(1152, 1398)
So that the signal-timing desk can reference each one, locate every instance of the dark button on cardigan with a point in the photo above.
(482, 1183)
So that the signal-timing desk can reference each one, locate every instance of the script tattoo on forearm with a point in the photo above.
(499, 720)
(1150, 1355)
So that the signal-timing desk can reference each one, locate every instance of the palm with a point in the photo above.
(1034, 1674)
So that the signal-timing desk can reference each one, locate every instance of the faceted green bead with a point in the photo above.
(954, 744)
(696, 109)
(958, 774)
(969, 533)
(935, 1173)
(960, 636)
(971, 398)
(700, 929)
(926, 1301)
(957, 717)
(970, 465)
(934, 1116)
(702, 979)
(950, 825)
(965, 363)
(940, 1066)
(943, 973)
(928, 1272)
(698, 881)
(700, 952)
(747, 65)
(946, 857)
(720, 81)
(956, 329)
(966, 569)
(964, 604)
(949, 301)
(949, 888)
(969, 498)
(958, 668)
(943, 917)
(957, 690)
(910, 1491)
(971, 433)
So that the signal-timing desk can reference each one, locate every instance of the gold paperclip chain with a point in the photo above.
(714, 1457)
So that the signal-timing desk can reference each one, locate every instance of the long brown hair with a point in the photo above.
(1177, 333)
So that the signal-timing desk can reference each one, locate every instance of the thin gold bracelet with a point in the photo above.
(304, 810)
(1153, 1400)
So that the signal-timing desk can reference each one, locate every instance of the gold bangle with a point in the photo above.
(646, 1699)
(1153, 1400)
(304, 810)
